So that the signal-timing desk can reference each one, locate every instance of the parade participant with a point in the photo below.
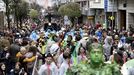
(115, 57)
(30, 57)
(107, 47)
(99, 34)
(65, 65)
(98, 25)
(13, 50)
(61, 59)
(128, 68)
(55, 47)
(21, 56)
(21, 53)
(82, 55)
(69, 43)
(76, 49)
(49, 68)
(96, 65)
(4, 57)
(17, 70)
(2, 69)
(50, 41)
(131, 53)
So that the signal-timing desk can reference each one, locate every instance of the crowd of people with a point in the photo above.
(50, 52)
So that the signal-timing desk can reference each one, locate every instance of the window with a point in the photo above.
(83, 3)
(124, 3)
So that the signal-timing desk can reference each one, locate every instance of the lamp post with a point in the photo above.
(113, 14)
(105, 10)
(87, 8)
(49, 14)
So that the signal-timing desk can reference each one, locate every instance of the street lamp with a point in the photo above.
(49, 14)
(113, 14)
(87, 9)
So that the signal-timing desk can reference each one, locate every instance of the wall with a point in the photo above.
(130, 6)
(130, 13)
(120, 5)
(97, 5)
(130, 19)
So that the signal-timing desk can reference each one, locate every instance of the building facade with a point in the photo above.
(111, 13)
(125, 13)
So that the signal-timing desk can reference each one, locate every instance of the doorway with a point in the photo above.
(122, 19)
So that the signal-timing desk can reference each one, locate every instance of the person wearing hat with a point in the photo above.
(49, 68)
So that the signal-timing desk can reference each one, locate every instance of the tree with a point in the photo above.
(36, 6)
(55, 10)
(20, 10)
(33, 13)
(72, 10)
(7, 3)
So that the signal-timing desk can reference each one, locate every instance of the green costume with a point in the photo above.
(96, 65)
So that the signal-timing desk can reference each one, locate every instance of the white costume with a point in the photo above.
(61, 60)
(54, 48)
(63, 68)
(48, 69)
(81, 58)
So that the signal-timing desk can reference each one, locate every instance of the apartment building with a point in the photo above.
(121, 11)
(125, 13)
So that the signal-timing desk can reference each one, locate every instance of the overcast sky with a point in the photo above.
(44, 3)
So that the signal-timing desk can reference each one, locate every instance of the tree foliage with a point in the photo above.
(70, 9)
(23, 10)
(36, 6)
(20, 10)
(33, 13)
(7, 3)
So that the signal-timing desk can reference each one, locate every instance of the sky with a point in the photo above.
(45, 3)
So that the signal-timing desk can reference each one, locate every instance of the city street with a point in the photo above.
(66, 37)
